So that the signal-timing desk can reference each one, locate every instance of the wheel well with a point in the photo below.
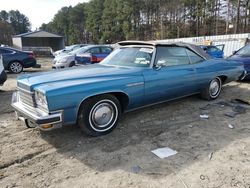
(14, 61)
(122, 98)
(223, 78)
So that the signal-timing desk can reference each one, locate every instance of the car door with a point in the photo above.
(214, 52)
(96, 55)
(6, 55)
(105, 51)
(172, 76)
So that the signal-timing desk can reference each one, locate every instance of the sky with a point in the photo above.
(38, 11)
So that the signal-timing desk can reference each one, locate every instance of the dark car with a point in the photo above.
(15, 60)
(92, 54)
(243, 55)
(214, 51)
(3, 76)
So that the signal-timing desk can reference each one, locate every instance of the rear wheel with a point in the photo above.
(212, 91)
(15, 67)
(99, 115)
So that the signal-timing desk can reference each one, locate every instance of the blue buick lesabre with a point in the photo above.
(136, 74)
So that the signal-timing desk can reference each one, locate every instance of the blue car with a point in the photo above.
(93, 54)
(214, 51)
(243, 55)
(136, 74)
(15, 60)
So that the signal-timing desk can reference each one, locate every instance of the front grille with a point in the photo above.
(23, 86)
(27, 98)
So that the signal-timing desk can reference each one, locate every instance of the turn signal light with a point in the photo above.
(46, 126)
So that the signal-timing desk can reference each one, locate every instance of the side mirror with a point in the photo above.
(157, 67)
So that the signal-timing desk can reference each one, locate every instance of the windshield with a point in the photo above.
(130, 57)
(244, 51)
(79, 50)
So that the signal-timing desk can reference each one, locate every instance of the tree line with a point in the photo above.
(109, 21)
(12, 23)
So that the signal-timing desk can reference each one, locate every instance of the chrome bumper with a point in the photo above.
(33, 117)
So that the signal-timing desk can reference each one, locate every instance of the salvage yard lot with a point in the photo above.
(210, 154)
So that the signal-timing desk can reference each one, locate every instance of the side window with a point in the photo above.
(94, 50)
(106, 50)
(171, 56)
(212, 49)
(194, 58)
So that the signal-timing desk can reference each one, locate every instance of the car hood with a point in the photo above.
(244, 59)
(80, 74)
(63, 56)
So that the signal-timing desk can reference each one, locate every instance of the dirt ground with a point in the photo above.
(210, 154)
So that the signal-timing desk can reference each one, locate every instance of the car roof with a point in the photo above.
(192, 47)
(9, 48)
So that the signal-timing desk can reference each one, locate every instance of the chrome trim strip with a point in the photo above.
(245, 75)
(24, 90)
(135, 84)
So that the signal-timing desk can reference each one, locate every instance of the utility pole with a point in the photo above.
(238, 18)
(161, 26)
(227, 21)
(178, 31)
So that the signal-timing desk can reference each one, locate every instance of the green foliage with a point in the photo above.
(109, 21)
(12, 23)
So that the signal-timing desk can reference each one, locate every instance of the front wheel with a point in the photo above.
(99, 115)
(212, 91)
(15, 67)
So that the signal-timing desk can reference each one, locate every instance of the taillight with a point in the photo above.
(93, 59)
(30, 55)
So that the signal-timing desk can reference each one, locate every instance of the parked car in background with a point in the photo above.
(15, 60)
(67, 60)
(135, 75)
(243, 55)
(214, 51)
(68, 49)
(3, 76)
(90, 53)
(93, 54)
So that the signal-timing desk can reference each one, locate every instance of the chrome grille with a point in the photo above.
(27, 98)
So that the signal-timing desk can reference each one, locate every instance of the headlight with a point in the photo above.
(41, 99)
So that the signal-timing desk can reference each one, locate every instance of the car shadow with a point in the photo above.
(175, 124)
(5, 100)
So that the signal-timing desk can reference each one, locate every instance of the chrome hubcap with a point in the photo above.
(16, 67)
(214, 88)
(102, 114)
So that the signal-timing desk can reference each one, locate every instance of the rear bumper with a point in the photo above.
(3, 77)
(27, 63)
(33, 117)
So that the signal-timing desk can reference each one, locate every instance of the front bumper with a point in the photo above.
(33, 117)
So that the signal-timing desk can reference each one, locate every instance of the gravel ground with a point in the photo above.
(210, 154)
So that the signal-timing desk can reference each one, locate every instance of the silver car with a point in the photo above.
(68, 60)
(68, 49)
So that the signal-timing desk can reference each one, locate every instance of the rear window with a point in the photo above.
(5, 51)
